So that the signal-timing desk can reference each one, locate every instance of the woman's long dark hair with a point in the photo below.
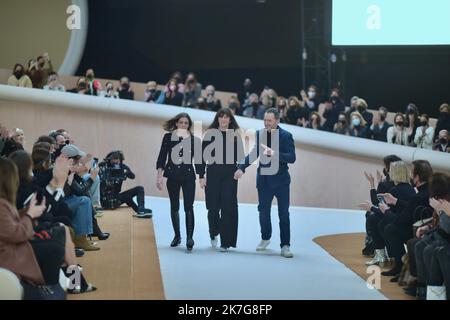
(24, 163)
(171, 124)
(224, 112)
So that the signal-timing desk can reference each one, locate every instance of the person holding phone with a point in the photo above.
(275, 149)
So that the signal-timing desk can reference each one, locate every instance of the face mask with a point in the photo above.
(343, 122)
(18, 74)
(382, 117)
(90, 77)
(41, 65)
(126, 86)
(356, 122)
(423, 123)
(361, 109)
(400, 123)
(443, 141)
(311, 94)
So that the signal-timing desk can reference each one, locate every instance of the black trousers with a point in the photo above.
(221, 202)
(424, 251)
(395, 237)
(50, 257)
(440, 268)
(375, 226)
(127, 197)
(188, 187)
(411, 244)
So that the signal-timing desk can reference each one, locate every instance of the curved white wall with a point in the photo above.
(328, 172)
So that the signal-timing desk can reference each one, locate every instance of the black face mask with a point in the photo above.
(423, 123)
(382, 117)
(361, 110)
(343, 122)
(386, 174)
(18, 74)
(400, 124)
(126, 86)
(443, 141)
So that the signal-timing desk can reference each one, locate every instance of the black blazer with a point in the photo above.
(182, 171)
(380, 134)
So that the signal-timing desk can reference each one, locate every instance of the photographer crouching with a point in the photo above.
(112, 174)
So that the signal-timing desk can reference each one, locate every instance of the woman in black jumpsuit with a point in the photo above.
(221, 187)
(179, 142)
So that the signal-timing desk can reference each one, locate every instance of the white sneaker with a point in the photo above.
(285, 252)
(222, 249)
(262, 245)
(214, 242)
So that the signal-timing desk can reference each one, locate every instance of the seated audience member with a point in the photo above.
(380, 126)
(178, 77)
(151, 93)
(401, 215)
(109, 91)
(424, 134)
(266, 103)
(201, 104)
(234, 105)
(53, 83)
(341, 126)
(310, 99)
(81, 87)
(315, 121)
(331, 115)
(252, 106)
(171, 94)
(362, 107)
(40, 71)
(93, 86)
(443, 122)
(412, 122)
(59, 250)
(358, 126)
(77, 191)
(352, 108)
(397, 134)
(192, 90)
(125, 91)
(296, 114)
(442, 144)
(282, 108)
(376, 221)
(384, 185)
(212, 101)
(11, 140)
(19, 78)
(244, 94)
(16, 230)
(432, 240)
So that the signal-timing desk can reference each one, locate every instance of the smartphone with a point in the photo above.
(381, 199)
(95, 163)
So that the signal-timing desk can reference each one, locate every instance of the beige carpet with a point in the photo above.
(347, 249)
(127, 266)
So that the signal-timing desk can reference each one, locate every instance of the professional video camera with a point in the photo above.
(111, 178)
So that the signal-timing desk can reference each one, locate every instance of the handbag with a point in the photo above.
(43, 292)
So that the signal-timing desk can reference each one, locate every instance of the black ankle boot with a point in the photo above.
(176, 241)
(190, 229)
(395, 271)
(175, 216)
(98, 232)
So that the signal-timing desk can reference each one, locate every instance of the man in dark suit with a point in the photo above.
(380, 126)
(275, 149)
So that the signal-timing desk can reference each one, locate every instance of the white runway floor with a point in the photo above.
(246, 274)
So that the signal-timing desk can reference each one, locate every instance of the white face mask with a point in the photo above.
(311, 94)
